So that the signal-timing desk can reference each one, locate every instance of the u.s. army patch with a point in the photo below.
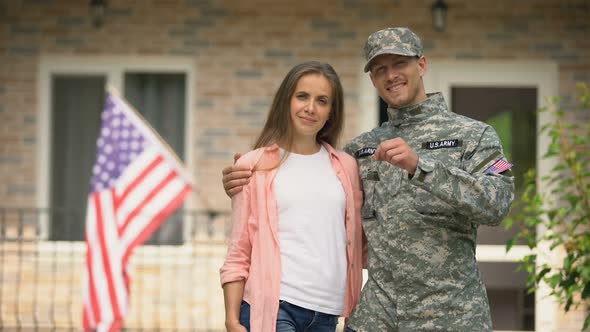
(447, 143)
(366, 151)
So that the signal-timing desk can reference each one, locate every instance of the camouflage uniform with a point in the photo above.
(422, 231)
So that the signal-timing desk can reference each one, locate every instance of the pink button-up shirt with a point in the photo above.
(254, 255)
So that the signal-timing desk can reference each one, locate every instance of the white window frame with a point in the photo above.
(113, 68)
(442, 75)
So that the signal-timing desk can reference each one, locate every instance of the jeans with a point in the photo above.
(245, 315)
(292, 318)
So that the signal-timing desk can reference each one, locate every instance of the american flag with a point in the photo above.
(498, 167)
(137, 183)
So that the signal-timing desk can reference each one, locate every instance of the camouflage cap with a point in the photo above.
(402, 41)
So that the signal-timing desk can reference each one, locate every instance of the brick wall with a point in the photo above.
(241, 51)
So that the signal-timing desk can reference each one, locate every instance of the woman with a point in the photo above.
(294, 262)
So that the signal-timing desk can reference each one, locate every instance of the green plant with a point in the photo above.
(554, 211)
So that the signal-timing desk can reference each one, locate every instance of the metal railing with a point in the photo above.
(174, 276)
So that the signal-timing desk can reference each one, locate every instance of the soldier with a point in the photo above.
(430, 177)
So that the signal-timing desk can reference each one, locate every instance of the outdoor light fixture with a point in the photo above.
(97, 8)
(439, 15)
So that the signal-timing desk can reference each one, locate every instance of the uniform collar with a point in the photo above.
(434, 103)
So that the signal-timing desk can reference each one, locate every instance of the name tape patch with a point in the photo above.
(447, 143)
(368, 151)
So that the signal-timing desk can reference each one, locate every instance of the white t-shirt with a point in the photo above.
(312, 234)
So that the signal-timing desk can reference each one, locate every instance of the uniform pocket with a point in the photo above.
(368, 210)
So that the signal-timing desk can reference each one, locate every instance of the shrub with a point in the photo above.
(558, 217)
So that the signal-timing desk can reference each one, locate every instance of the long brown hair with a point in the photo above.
(279, 128)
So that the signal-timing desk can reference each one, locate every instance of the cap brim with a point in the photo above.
(397, 51)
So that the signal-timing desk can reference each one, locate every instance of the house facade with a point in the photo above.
(203, 73)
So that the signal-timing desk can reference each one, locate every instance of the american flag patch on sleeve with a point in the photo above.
(498, 167)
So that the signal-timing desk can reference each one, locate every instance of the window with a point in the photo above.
(160, 99)
(511, 112)
(512, 307)
(76, 107)
(76, 95)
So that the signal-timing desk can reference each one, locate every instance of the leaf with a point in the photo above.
(553, 280)
(551, 152)
(586, 291)
(568, 304)
(510, 244)
(573, 199)
(542, 273)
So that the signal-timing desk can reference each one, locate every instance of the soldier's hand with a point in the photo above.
(235, 177)
(397, 152)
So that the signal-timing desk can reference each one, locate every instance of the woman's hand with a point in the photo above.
(235, 327)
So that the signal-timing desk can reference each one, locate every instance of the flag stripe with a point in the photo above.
(115, 255)
(146, 200)
(91, 314)
(106, 259)
(87, 321)
(153, 164)
(99, 279)
(161, 217)
(159, 202)
(141, 189)
(94, 314)
(156, 221)
(131, 173)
